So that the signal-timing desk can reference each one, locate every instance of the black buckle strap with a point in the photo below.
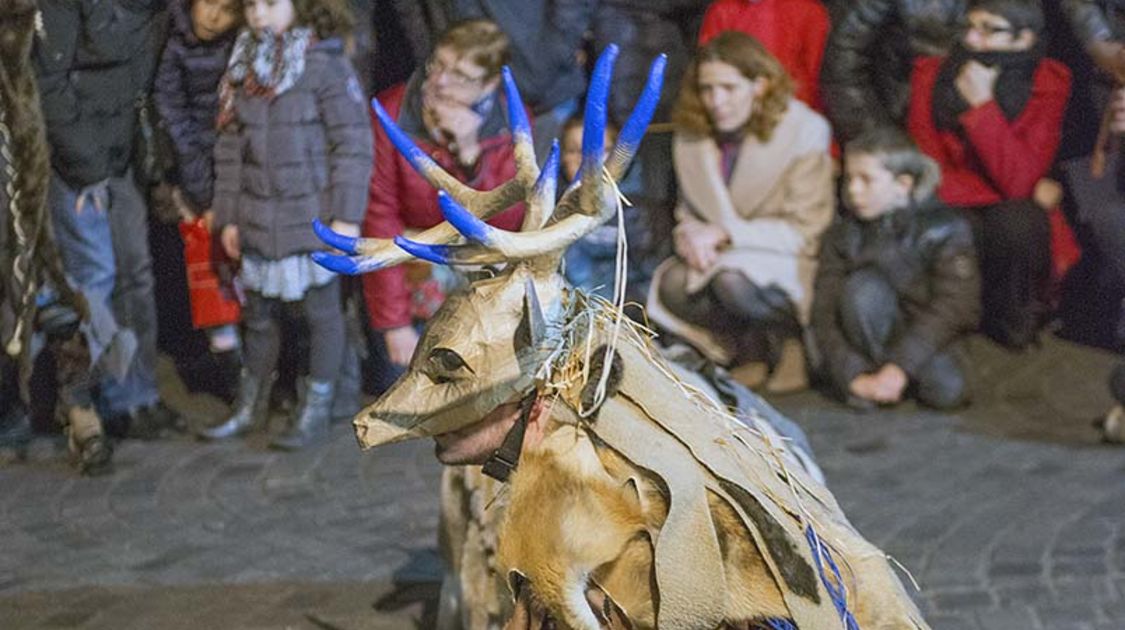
(506, 458)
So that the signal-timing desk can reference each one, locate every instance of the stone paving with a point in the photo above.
(1009, 515)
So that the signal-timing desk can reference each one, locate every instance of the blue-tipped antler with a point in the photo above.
(597, 97)
(346, 244)
(347, 265)
(491, 243)
(517, 115)
(634, 130)
(549, 177)
(414, 155)
(466, 223)
(437, 254)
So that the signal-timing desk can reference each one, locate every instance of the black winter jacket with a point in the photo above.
(1096, 20)
(865, 78)
(927, 255)
(186, 94)
(95, 63)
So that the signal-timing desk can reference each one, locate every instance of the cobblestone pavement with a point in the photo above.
(1009, 515)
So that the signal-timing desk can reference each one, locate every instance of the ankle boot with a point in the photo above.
(790, 374)
(312, 417)
(86, 440)
(250, 406)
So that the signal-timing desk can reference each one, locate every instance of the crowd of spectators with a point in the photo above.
(833, 193)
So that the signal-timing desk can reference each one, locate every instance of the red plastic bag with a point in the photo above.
(213, 303)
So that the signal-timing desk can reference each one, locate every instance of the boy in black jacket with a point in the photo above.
(898, 282)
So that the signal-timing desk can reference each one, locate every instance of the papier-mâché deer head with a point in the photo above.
(487, 342)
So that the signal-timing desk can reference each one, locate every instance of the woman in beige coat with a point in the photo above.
(756, 193)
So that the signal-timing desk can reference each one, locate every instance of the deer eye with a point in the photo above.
(447, 362)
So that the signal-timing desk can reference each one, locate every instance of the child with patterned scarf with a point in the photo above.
(294, 145)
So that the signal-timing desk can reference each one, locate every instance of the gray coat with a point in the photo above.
(303, 155)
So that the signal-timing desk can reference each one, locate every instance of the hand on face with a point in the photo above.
(699, 243)
(976, 82)
(456, 124)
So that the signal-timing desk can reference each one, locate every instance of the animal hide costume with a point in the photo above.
(681, 515)
(28, 256)
(35, 296)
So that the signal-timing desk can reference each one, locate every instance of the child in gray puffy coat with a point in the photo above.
(294, 145)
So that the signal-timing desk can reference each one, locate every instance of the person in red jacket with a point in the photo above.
(793, 31)
(452, 111)
(991, 114)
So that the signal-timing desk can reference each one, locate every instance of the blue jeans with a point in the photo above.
(104, 250)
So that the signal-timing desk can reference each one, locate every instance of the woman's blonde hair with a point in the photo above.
(754, 62)
(898, 154)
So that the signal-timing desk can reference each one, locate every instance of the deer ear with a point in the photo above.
(533, 327)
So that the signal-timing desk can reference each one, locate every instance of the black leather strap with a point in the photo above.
(507, 457)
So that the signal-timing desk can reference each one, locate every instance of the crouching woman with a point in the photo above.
(756, 192)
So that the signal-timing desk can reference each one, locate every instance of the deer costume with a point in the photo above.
(642, 487)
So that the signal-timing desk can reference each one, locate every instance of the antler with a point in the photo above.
(369, 254)
(586, 205)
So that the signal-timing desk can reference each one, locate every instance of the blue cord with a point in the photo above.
(835, 591)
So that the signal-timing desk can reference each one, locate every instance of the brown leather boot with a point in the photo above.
(751, 374)
(791, 373)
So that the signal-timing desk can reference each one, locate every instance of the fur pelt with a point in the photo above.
(576, 487)
(28, 254)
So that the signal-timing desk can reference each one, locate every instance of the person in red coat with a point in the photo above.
(793, 31)
(452, 111)
(991, 114)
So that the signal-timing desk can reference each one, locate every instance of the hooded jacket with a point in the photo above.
(926, 253)
(186, 94)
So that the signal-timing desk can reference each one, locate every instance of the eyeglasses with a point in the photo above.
(986, 29)
(434, 68)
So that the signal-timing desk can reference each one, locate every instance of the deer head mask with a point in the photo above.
(487, 342)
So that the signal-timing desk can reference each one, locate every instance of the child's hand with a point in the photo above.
(863, 386)
(400, 344)
(890, 382)
(229, 240)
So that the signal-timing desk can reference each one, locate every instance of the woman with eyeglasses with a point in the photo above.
(991, 114)
(452, 110)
